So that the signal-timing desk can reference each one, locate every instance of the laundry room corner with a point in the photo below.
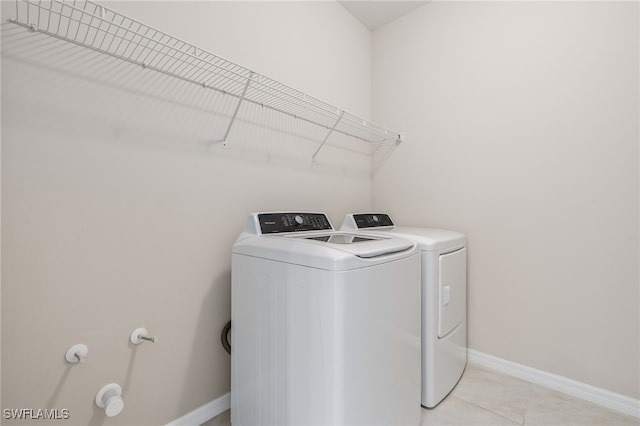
(522, 132)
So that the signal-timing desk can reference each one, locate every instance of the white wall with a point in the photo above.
(116, 215)
(522, 132)
(522, 124)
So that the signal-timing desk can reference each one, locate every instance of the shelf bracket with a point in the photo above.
(313, 157)
(235, 112)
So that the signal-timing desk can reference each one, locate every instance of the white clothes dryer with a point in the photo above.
(444, 299)
(326, 325)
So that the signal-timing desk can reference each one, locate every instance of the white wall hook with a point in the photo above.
(77, 354)
(110, 398)
(140, 334)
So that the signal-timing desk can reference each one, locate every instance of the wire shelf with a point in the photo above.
(91, 25)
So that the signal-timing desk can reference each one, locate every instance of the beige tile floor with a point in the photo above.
(487, 398)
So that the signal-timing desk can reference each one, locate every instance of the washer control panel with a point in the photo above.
(273, 223)
(372, 220)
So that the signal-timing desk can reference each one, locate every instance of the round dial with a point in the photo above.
(299, 220)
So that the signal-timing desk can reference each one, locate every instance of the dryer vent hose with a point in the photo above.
(224, 338)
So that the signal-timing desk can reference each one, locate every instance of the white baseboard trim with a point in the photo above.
(205, 412)
(602, 397)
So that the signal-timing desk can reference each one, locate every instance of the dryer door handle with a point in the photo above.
(446, 295)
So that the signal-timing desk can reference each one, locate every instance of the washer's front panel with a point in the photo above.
(308, 344)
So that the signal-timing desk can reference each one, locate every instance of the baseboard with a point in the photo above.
(204, 413)
(602, 397)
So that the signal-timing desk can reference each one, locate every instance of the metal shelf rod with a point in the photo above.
(235, 112)
(313, 157)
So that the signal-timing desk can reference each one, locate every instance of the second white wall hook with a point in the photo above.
(76, 354)
(139, 335)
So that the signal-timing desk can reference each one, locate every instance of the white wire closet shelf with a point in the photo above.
(91, 25)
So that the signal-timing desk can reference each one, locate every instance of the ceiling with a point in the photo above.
(374, 14)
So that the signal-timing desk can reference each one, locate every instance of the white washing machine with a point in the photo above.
(326, 325)
(444, 299)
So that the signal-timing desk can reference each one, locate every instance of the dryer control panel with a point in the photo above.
(273, 223)
(372, 220)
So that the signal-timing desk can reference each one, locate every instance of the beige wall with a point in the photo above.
(522, 132)
(522, 124)
(116, 215)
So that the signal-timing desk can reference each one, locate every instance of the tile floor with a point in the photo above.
(487, 398)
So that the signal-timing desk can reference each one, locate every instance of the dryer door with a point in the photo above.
(452, 289)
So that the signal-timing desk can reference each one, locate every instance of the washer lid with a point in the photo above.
(336, 251)
(360, 245)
